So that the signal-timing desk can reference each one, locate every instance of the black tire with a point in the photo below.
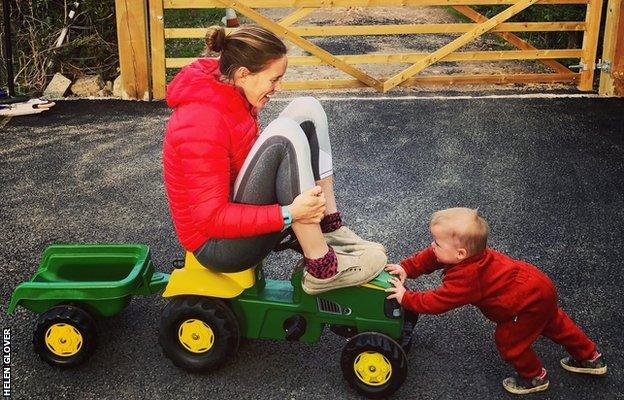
(205, 317)
(65, 336)
(381, 348)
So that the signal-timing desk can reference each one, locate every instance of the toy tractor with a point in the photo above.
(209, 312)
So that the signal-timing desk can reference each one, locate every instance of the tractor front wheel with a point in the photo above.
(198, 334)
(374, 364)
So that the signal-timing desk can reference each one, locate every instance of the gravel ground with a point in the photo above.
(546, 173)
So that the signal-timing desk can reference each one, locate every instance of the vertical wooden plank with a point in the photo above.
(618, 56)
(611, 41)
(157, 47)
(590, 44)
(132, 43)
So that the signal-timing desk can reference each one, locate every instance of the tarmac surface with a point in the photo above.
(547, 173)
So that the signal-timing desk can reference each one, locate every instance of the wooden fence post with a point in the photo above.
(157, 46)
(132, 41)
(612, 81)
(590, 44)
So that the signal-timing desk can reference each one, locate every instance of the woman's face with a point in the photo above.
(260, 86)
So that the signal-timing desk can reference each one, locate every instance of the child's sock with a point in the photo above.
(543, 374)
(594, 356)
(324, 267)
(331, 222)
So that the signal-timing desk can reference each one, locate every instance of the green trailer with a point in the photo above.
(73, 284)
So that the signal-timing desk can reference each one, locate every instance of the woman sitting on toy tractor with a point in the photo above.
(232, 192)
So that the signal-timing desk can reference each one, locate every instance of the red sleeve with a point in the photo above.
(423, 262)
(458, 288)
(205, 161)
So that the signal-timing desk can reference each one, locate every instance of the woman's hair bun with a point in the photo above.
(215, 39)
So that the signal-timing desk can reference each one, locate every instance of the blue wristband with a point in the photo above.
(286, 216)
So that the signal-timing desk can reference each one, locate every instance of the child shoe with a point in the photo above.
(518, 385)
(345, 240)
(354, 268)
(594, 366)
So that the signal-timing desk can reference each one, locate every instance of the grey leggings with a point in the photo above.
(287, 158)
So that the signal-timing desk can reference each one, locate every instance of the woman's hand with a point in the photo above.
(397, 291)
(396, 269)
(308, 207)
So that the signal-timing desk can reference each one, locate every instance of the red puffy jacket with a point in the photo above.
(207, 139)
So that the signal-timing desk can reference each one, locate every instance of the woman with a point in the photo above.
(231, 191)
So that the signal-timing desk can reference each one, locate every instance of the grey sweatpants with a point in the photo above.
(290, 154)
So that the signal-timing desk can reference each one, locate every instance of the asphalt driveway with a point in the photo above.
(548, 175)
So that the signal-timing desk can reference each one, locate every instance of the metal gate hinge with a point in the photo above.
(604, 65)
(580, 66)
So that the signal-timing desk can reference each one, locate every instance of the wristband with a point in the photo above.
(286, 216)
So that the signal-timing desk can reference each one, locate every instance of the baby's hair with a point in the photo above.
(465, 225)
(250, 46)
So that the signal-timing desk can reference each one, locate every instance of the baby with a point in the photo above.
(518, 297)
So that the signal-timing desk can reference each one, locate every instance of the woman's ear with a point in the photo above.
(241, 73)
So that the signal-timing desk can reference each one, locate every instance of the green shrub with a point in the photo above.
(91, 43)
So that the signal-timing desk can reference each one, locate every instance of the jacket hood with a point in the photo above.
(199, 82)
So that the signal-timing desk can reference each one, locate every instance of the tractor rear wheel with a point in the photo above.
(198, 334)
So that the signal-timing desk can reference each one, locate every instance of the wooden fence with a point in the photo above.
(288, 29)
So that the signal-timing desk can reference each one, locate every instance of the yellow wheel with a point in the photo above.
(64, 340)
(65, 336)
(372, 368)
(196, 335)
(374, 364)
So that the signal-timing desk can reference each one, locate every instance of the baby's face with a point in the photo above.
(444, 246)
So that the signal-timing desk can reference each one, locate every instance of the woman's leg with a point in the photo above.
(276, 170)
(310, 115)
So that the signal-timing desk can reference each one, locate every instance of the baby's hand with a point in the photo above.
(396, 269)
(397, 291)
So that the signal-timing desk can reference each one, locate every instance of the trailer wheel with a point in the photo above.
(198, 334)
(374, 364)
(65, 336)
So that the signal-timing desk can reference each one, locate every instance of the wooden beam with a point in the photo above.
(295, 16)
(157, 46)
(511, 38)
(590, 44)
(432, 80)
(475, 32)
(456, 56)
(414, 57)
(611, 40)
(304, 44)
(132, 43)
(361, 30)
(350, 3)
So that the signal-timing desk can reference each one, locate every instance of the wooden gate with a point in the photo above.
(289, 29)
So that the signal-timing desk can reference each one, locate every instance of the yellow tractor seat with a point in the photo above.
(195, 279)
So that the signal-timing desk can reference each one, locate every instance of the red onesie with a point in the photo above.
(518, 297)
